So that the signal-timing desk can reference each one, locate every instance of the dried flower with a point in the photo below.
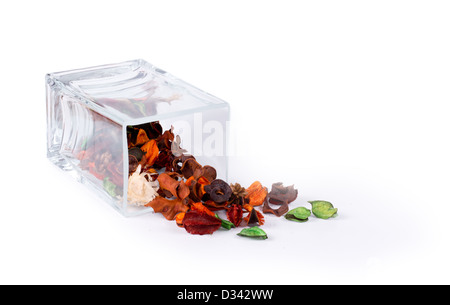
(141, 188)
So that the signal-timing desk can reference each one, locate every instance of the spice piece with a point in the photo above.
(235, 214)
(168, 208)
(256, 194)
(299, 214)
(277, 212)
(323, 209)
(255, 232)
(219, 191)
(200, 223)
(281, 194)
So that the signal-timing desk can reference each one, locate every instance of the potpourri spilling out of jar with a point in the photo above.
(164, 177)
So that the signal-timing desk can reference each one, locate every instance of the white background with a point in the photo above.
(348, 100)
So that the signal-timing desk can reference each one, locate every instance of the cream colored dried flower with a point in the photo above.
(141, 188)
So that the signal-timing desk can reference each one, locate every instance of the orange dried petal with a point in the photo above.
(151, 151)
(256, 194)
(199, 207)
(142, 137)
(179, 219)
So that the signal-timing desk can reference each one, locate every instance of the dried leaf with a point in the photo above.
(177, 188)
(200, 223)
(277, 212)
(280, 194)
(166, 182)
(169, 208)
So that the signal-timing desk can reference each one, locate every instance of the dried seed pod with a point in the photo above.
(254, 232)
(254, 218)
(189, 167)
(323, 209)
(299, 214)
(219, 191)
(132, 164)
(137, 152)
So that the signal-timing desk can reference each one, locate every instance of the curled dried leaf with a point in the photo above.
(168, 208)
(277, 212)
(281, 194)
(177, 188)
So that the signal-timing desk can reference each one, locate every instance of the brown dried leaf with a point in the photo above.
(283, 209)
(281, 194)
(169, 208)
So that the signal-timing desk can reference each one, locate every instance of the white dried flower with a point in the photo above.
(141, 188)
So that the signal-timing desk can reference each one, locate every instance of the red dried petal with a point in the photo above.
(200, 223)
(234, 214)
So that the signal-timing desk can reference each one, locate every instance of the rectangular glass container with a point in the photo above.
(97, 118)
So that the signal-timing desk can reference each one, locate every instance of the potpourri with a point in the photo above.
(163, 176)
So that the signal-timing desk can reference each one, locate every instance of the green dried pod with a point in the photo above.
(323, 209)
(109, 187)
(225, 223)
(253, 232)
(299, 214)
